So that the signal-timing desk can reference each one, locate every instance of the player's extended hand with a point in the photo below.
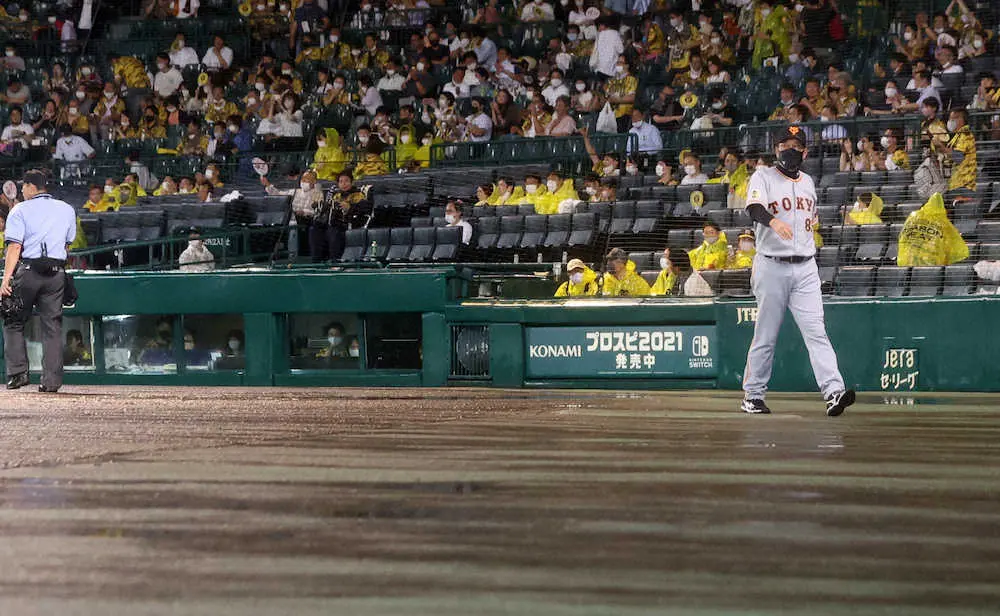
(782, 228)
(6, 289)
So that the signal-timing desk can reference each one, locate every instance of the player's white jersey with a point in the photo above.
(791, 201)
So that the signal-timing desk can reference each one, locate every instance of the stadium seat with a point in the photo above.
(680, 239)
(647, 215)
(828, 256)
(722, 217)
(827, 275)
(421, 221)
(534, 231)
(713, 278)
(558, 230)
(423, 244)
(958, 279)
(582, 229)
(448, 243)
(526, 210)
(602, 212)
(855, 281)
(643, 260)
(871, 242)
(925, 281)
(891, 281)
(488, 232)
(511, 228)
(735, 283)
(400, 242)
(355, 245)
(379, 241)
(622, 217)
(988, 231)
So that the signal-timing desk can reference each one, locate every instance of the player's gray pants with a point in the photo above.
(796, 287)
(45, 293)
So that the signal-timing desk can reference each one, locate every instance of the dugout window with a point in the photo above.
(214, 342)
(325, 341)
(141, 344)
(394, 341)
(78, 344)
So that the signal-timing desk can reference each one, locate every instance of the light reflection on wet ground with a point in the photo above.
(183, 501)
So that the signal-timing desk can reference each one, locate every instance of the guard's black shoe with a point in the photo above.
(45, 389)
(17, 381)
(755, 407)
(837, 403)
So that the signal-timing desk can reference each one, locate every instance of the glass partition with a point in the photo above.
(325, 341)
(78, 344)
(214, 342)
(139, 344)
(394, 341)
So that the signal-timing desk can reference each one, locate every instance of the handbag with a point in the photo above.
(606, 121)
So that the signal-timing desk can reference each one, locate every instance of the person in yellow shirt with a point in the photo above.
(666, 282)
(130, 70)
(713, 251)
(582, 281)
(370, 161)
(866, 210)
(422, 156)
(746, 250)
(654, 42)
(962, 148)
(621, 279)
(133, 180)
(219, 109)
(330, 157)
(504, 193)
(98, 200)
(621, 90)
(124, 195)
(557, 190)
(928, 238)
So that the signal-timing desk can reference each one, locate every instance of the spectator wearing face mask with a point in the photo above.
(305, 199)
(392, 81)
(367, 96)
(621, 279)
(961, 150)
(534, 190)
(746, 250)
(620, 91)
(555, 89)
(865, 211)
(647, 136)
(98, 200)
(692, 171)
(478, 126)
(672, 276)
(167, 80)
(335, 347)
(180, 54)
(194, 142)
(218, 57)
(330, 158)
(167, 187)
(235, 344)
(561, 123)
(453, 215)
(933, 132)
(607, 165)
(196, 257)
(713, 251)
(582, 281)
(11, 61)
(559, 193)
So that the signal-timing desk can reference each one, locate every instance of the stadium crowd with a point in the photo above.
(342, 91)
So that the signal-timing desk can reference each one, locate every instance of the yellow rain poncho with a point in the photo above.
(710, 256)
(929, 239)
(406, 151)
(549, 203)
(498, 199)
(587, 287)
(105, 204)
(80, 242)
(330, 159)
(129, 197)
(531, 198)
(779, 41)
(741, 259)
(867, 215)
(664, 284)
(631, 285)
(963, 174)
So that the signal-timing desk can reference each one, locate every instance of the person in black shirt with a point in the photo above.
(344, 206)
(435, 51)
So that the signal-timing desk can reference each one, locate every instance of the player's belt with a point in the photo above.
(793, 260)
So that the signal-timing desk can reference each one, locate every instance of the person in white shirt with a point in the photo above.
(290, 116)
(607, 48)
(180, 54)
(453, 214)
(196, 258)
(17, 129)
(371, 100)
(269, 126)
(478, 126)
(486, 50)
(579, 17)
(168, 79)
(946, 57)
(392, 81)
(537, 10)
(457, 86)
(692, 171)
(218, 57)
(647, 136)
(831, 132)
(305, 199)
(556, 88)
(187, 8)
(72, 148)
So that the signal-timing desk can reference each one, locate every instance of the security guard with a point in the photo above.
(39, 230)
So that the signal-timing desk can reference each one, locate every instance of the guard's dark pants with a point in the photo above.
(326, 243)
(45, 292)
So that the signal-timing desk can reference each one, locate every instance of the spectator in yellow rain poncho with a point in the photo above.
(582, 281)
(666, 282)
(406, 146)
(746, 249)
(866, 210)
(772, 32)
(929, 239)
(713, 252)
(962, 148)
(534, 190)
(330, 157)
(505, 193)
(557, 190)
(621, 280)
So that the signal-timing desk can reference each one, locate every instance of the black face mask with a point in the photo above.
(790, 160)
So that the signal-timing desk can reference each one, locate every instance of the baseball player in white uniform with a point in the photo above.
(782, 202)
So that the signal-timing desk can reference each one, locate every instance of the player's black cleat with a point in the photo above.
(17, 381)
(755, 407)
(45, 389)
(837, 403)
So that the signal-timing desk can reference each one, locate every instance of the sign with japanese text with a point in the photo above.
(899, 370)
(621, 352)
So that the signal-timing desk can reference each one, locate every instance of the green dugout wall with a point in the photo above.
(895, 345)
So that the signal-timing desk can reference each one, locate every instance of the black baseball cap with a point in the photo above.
(36, 178)
(792, 132)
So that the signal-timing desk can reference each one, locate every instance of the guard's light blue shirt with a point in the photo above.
(648, 138)
(40, 221)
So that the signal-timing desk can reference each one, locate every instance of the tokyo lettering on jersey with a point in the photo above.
(790, 201)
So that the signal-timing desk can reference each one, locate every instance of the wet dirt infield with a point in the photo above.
(246, 501)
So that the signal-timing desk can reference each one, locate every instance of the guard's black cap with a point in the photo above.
(792, 132)
(36, 178)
